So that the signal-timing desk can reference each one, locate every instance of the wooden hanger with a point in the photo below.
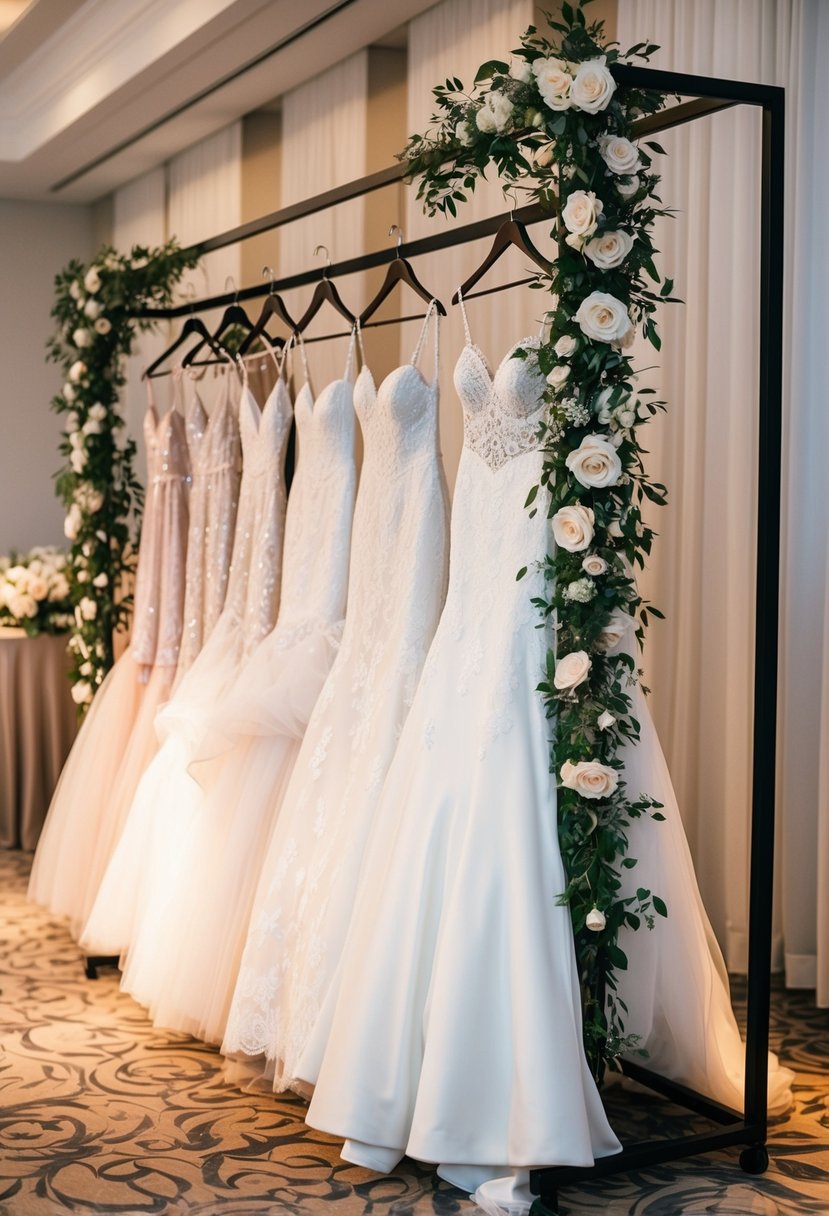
(510, 233)
(234, 314)
(324, 292)
(399, 271)
(274, 306)
(193, 325)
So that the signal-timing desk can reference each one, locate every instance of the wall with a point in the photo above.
(36, 241)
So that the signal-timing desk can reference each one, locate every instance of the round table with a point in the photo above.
(38, 723)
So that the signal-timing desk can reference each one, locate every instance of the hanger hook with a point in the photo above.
(230, 285)
(513, 200)
(268, 271)
(317, 248)
(189, 294)
(396, 228)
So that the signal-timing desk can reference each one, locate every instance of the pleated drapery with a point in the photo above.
(700, 664)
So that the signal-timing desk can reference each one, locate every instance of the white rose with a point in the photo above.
(614, 529)
(628, 189)
(17, 574)
(581, 213)
(595, 920)
(605, 720)
(590, 778)
(69, 393)
(565, 346)
(580, 591)
(519, 69)
(593, 86)
(85, 668)
(558, 375)
(82, 692)
(609, 249)
(619, 154)
(98, 412)
(603, 318)
(573, 528)
(103, 326)
(77, 371)
(100, 580)
(91, 427)
(35, 566)
(88, 608)
(554, 82)
(72, 423)
(23, 605)
(627, 418)
(571, 670)
(81, 338)
(615, 632)
(92, 280)
(60, 587)
(462, 133)
(485, 120)
(72, 523)
(92, 309)
(81, 576)
(498, 113)
(75, 290)
(594, 565)
(38, 588)
(77, 459)
(76, 439)
(90, 499)
(595, 462)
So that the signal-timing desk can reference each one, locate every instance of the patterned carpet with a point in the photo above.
(99, 1112)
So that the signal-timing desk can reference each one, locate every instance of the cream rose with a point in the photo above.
(81, 338)
(543, 156)
(595, 463)
(75, 290)
(76, 371)
(88, 608)
(628, 189)
(593, 86)
(72, 423)
(82, 692)
(98, 412)
(615, 633)
(77, 459)
(590, 778)
(38, 588)
(619, 154)
(463, 134)
(554, 82)
(100, 580)
(595, 920)
(581, 213)
(603, 318)
(605, 720)
(558, 375)
(103, 326)
(92, 280)
(519, 69)
(496, 114)
(573, 528)
(594, 565)
(609, 249)
(92, 309)
(565, 346)
(72, 522)
(572, 670)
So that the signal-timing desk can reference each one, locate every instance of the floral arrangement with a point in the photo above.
(554, 122)
(95, 311)
(34, 592)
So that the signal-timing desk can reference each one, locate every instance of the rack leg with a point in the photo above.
(92, 962)
(547, 1203)
(754, 1159)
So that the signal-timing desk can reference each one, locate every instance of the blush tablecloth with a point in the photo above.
(38, 722)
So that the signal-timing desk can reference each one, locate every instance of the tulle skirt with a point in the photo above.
(95, 791)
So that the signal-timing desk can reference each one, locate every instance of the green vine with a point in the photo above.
(94, 310)
(553, 123)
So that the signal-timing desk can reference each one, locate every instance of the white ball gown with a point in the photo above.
(311, 872)
(249, 612)
(185, 954)
(103, 767)
(455, 1036)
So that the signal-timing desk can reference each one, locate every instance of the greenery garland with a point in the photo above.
(554, 123)
(95, 310)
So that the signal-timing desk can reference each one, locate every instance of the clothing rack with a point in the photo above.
(705, 96)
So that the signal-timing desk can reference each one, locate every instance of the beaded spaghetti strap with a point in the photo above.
(466, 330)
(359, 331)
(349, 363)
(431, 312)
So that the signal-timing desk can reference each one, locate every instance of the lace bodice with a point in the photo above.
(216, 464)
(159, 587)
(501, 410)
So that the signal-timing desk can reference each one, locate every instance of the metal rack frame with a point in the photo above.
(706, 96)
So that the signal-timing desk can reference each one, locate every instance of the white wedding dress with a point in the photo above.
(312, 869)
(185, 955)
(164, 795)
(455, 1036)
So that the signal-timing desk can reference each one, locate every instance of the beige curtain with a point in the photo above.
(700, 664)
(324, 145)
(453, 39)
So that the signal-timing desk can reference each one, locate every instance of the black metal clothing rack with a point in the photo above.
(705, 96)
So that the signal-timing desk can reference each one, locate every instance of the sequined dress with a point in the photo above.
(110, 751)
(250, 610)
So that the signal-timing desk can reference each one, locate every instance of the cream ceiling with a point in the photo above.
(100, 90)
